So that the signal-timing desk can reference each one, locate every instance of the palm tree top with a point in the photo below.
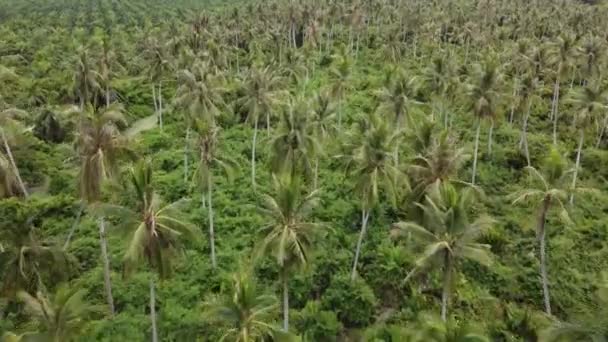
(447, 226)
(289, 233)
(246, 311)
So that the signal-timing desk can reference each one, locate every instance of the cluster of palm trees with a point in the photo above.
(299, 74)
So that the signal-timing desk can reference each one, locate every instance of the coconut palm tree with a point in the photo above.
(397, 96)
(562, 53)
(108, 68)
(61, 318)
(340, 75)
(155, 228)
(447, 235)
(323, 114)
(590, 54)
(26, 261)
(10, 126)
(86, 79)
(246, 311)
(439, 80)
(206, 134)
(371, 163)
(100, 144)
(590, 101)
(200, 92)
(103, 139)
(260, 96)
(551, 189)
(484, 99)
(289, 234)
(441, 161)
(528, 88)
(159, 65)
(9, 183)
(295, 144)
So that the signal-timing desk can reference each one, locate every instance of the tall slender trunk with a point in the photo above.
(340, 113)
(160, 105)
(578, 163)
(294, 36)
(329, 37)
(364, 218)
(285, 301)
(211, 231)
(602, 130)
(186, 153)
(153, 310)
(490, 137)
(255, 136)
(556, 106)
(74, 225)
(106, 264)
(268, 124)
(512, 114)
(316, 175)
(543, 253)
(447, 282)
(466, 50)
(9, 153)
(475, 153)
(107, 97)
(154, 99)
(523, 143)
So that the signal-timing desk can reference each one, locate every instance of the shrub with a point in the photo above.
(353, 301)
(317, 324)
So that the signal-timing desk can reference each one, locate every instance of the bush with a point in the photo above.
(317, 324)
(353, 301)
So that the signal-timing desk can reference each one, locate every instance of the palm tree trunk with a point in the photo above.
(339, 114)
(160, 106)
(524, 134)
(364, 218)
(475, 153)
(107, 97)
(245, 334)
(211, 231)
(106, 265)
(543, 254)
(154, 99)
(578, 163)
(447, 281)
(186, 153)
(512, 114)
(490, 137)
(268, 124)
(316, 176)
(74, 225)
(255, 136)
(556, 110)
(466, 50)
(602, 131)
(153, 310)
(9, 153)
(285, 301)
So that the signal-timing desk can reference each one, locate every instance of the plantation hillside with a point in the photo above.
(314, 170)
